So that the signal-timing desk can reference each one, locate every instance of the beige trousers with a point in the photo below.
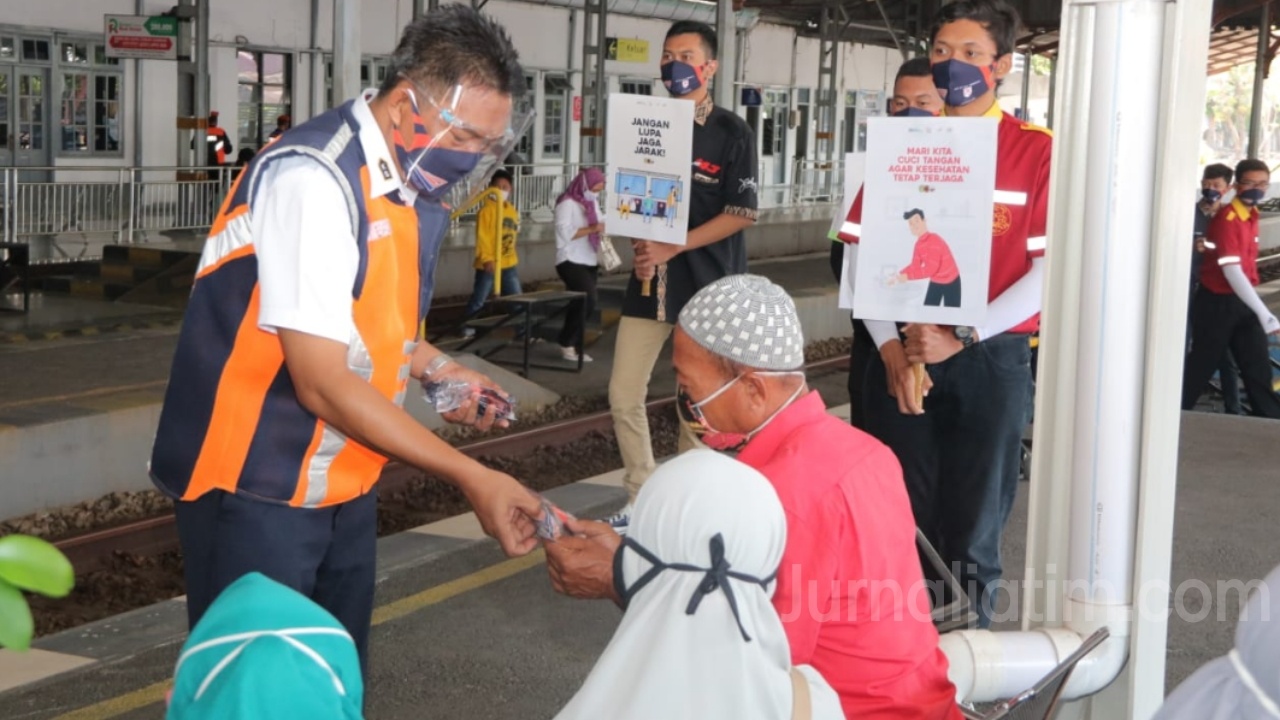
(639, 343)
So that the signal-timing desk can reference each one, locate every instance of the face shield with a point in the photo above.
(450, 158)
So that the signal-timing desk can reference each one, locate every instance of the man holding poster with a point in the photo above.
(720, 205)
(960, 448)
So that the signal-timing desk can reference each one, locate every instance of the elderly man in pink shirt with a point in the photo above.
(850, 590)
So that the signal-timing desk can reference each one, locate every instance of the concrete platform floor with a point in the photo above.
(470, 634)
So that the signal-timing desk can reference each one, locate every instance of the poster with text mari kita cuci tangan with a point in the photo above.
(924, 253)
(649, 152)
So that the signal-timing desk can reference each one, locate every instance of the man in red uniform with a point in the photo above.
(960, 449)
(931, 260)
(850, 589)
(1227, 312)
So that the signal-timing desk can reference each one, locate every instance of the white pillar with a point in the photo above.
(1107, 418)
(726, 32)
(346, 50)
(1259, 81)
(201, 86)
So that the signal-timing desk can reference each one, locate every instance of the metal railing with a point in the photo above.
(536, 187)
(816, 181)
(112, 204)
(160, 201)
(97, 205)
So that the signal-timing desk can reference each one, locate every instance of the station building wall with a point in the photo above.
(262, 63)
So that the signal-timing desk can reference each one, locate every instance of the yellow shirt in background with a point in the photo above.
(497, 225)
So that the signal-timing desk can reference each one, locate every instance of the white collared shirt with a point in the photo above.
(570, 218)
(307, 255)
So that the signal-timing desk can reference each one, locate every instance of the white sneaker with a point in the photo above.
(621, 520)
(571, 354)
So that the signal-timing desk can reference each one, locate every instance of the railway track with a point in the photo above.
(1269, 267)
(157, 535)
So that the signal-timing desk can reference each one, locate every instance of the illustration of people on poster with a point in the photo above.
(649, 152)
(925, 250)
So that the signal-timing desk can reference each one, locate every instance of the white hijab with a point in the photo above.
(1245, 684)
(666, 663)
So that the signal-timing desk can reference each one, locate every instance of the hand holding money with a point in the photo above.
(552, 525)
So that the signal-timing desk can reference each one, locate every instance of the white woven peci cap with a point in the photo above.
(747, 319)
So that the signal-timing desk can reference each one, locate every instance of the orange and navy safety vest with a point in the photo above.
(231, 419)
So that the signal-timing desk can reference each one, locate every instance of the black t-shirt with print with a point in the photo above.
(723, 181)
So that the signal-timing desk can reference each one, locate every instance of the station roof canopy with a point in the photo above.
(893, 23)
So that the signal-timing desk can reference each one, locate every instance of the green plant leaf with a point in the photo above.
(35, 565)
(16, 625)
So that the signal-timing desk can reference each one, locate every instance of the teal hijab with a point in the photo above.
(265, 651)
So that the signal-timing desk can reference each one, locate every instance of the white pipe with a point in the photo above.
(1105, 289)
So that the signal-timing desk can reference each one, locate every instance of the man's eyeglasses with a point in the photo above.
(970, 55)
(467, 136)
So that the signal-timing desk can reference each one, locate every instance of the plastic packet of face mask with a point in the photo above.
(449, 395)
(551, 526)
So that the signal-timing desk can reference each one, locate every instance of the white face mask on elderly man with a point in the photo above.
(691, 413)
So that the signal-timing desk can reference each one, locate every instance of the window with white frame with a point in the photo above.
(36, 50)
(635, 87)
(265, 93)
(92, 98)
(373, 71)
(555, 105)
(523, 153)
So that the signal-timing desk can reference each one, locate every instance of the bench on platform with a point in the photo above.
(535, 309)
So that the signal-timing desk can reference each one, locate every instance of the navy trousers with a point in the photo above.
(327, 554)
(961, 458)
(1221, 323)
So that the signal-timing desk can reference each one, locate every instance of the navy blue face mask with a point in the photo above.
(430, 170)
(715, 577)
(1210, 195)
(960, 83)
(913, 112)
(440, 168)
(1252, 196)
(680, 79)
